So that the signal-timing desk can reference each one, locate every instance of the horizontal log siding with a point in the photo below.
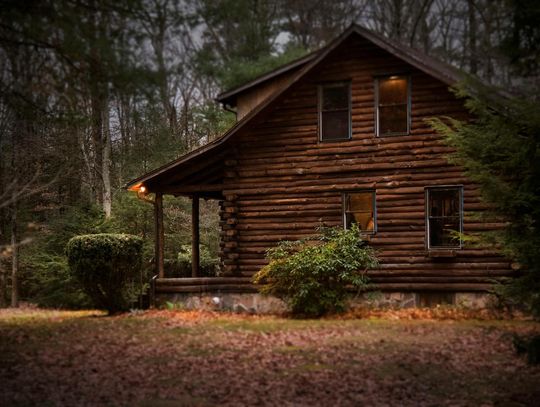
(287, 183)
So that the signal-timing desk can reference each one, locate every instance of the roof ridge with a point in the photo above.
(373, 36)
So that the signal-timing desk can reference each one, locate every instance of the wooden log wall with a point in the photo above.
(283, 182)
(250, 99)
(228, 215)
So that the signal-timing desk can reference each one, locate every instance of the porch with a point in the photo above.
(200, 175)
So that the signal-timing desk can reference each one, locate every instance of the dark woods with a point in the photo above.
(96, 92)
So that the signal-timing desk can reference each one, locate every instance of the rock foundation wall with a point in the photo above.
(263, 304)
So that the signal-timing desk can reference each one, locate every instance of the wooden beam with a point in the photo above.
(181, 281)
(160, 235)
(195, 236)
(232, 288)
(189, 188)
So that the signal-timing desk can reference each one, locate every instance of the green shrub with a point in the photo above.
(207, 264)
(313, 276)
(49, 283)
(181, 266)
(107, 266)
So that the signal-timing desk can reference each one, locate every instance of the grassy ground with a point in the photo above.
(168, 358)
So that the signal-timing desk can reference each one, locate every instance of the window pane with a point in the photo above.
(443, 232)
(360, 201)
(335, 97)
(363, 220)
(359, 209)
(393, 119)
(335, 125)
(444, 217)
(444, 202)
(392, 90)
(393, 108)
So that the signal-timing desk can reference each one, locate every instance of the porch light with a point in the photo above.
(142, 192)
(136, 187)
(139, 188)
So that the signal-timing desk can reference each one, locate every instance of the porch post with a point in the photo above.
(160, 235)
(195, 235)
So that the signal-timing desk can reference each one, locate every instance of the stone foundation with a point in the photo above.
(242, 303)
(263, 304)
(475, 300)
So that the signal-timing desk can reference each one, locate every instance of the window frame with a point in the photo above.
(320, 90)
(408, 104)
(459, 188)
(344, 195)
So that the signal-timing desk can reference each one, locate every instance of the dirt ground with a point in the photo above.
(180, 358)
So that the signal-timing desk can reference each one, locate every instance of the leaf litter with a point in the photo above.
(200, 358)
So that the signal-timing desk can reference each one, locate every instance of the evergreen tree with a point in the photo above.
(239, 40)
(500, 149)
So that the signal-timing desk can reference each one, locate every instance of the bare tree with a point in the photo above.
(312, 24)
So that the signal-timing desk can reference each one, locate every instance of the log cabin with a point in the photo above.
(336, 137)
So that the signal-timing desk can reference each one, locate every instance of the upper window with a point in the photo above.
(359, 208)
(392, 105)
(335, 111)
(444, 217)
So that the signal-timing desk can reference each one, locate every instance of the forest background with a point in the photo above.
(94, 93)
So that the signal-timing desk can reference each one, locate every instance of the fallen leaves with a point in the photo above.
(173, 358)
(439, 313)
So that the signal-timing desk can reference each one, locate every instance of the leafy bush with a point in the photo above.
(180, 267)
(312, 276)
(49, 283)
(107, 266)
(207, 264)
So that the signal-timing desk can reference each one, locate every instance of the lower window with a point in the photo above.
(444, 217)
(359, 208)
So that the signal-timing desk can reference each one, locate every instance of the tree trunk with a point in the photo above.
(106, 163)
(160, 235)
(487, 45)
(3, 227)
(3, 298)
(195, 236)
(473, 62)
(397, 17)
(97, 136)
(14, 260)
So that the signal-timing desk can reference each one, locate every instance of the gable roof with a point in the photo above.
(437, 69)
(434, 67)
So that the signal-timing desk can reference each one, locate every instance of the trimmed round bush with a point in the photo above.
(107, 266)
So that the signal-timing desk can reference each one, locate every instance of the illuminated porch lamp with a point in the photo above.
(142, 192)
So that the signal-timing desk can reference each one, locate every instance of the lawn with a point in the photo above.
(175, 358)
